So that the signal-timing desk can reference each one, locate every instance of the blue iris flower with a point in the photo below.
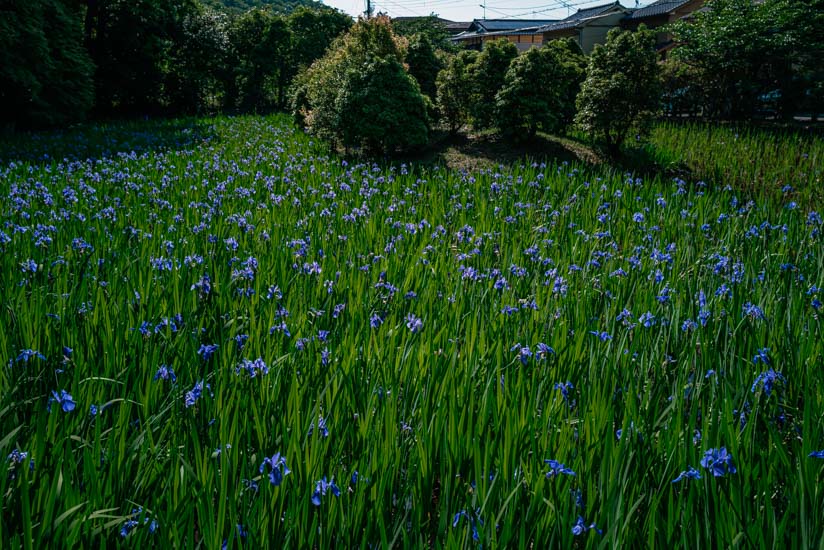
(64, 399)
(719, 461)
(689, 473)
(278, 468)
(322, 487)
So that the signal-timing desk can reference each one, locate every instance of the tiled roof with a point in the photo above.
(515, 32)
(493, 25)
(581, 16)
(458, 25)
(660, 7)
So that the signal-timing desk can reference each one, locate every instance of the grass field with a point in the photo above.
(228, 336)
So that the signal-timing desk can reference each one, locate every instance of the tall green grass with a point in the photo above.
(760, 161)
(435, 421)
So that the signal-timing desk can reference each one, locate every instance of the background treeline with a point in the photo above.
(739, 58)
(65, 60)
(380, 92)
(736, 59)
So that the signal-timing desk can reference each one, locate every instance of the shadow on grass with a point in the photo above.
(472, 152)
(487, 150)
(96, 140)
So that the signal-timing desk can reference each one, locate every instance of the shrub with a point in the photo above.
(454, 95)
(488, 74)
(381, 108)
(539, 90)
(359, 95)
(622, 88)
(423, 64)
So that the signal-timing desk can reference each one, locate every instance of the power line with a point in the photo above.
(432, 6)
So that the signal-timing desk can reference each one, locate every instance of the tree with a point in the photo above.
(622, 87)
(381, 108)
(45, 72)
(431, 27)
(488, 74)
(198, 63)
(359, 95)
(132, 44)
(539, 90)
(741, 50)
(236, 7)
(681, 91)
(454, 95)
(261, 43)
(313, 31)
(424, 65)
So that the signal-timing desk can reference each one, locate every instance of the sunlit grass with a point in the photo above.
(103, 264)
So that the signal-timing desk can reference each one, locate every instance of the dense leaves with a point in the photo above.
(59, 59)
(488, 74)
(359, 94)
(45, 73)
(622, 87)
(539, 90)
(745, 52)
(261, 49)
(454, 96)
(423, 64)
(381, 107)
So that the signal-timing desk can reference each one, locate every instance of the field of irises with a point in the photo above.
(220, 334)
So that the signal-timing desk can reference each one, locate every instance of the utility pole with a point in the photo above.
(484, 7)
(368, 9)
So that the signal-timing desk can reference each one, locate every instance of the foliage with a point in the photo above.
(423, 64)
(352, 71)
(539, 90)
(742, 50)
(622, 89)
(488, 74)
(261, 45)
(681, 91)
(381, 107)
(430, 27)
(198, 67)
(208, 337)
(45, 73)
(455, 85)
(237, 7)
(313, 31)
(131, 43)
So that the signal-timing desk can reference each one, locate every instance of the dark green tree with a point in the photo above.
(236, 7)
(381, 108)
(313, 31)
(45, 72)
(455, 85)
(681, 90)
(431, 26)
(198, 63)
(488, 74)
(261, 44)
(131, 43)
(622, 89)
(355, 96)
(423, 64)
(539, 90)
(741, 50)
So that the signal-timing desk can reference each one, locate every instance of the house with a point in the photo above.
(659, 14)
(521, 32)
(587, 26)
